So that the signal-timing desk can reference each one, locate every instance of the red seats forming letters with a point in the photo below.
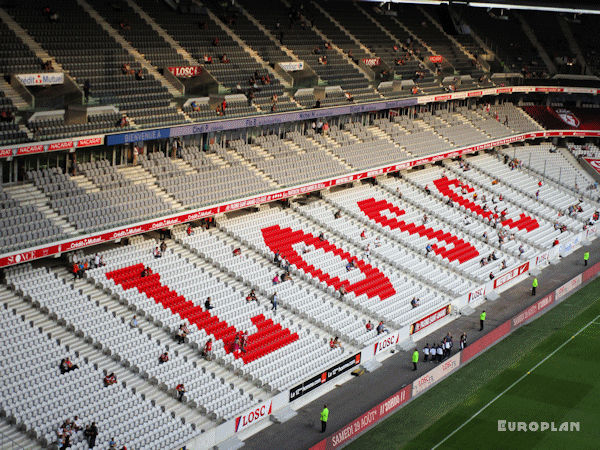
(374, 284)
(461, 251)
(269, 337)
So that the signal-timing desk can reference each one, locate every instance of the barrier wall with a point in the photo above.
(400, 398)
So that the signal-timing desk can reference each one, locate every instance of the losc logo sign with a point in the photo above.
(253, 416)
(386, 343)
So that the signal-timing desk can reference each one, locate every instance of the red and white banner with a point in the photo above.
(6, 152)
(185, 71)
(28, 149)
(436, 374)
(90, 141)
(51, 146)
(365, 421)
(386, 343)
(256, 414)
(428, 320)
(477, 294)
(371, 62)
(436, 58)
(571, 285)
(64, 145)
(595, 163)
(511, 275)
(533, 310)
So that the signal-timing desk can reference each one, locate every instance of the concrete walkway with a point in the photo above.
(348, 401)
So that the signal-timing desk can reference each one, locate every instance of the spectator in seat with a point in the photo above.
(224, 59)
(349, 96)
(335, 343)
(555, 243)
(207, 304)
(369, 326)
(124, 25)
(342, 290)
(251, 297)
(337, 214)
(207, 352)
(180, 389)
(427, 190)
(428, 249)
(237, 251)
(381, 328)
(110, 379)
(53, 17)
(180, 336)
(91, 433)
(123, 121)
(414, 302)
(134, 322)
(321, 237)
(75, 270)
(207, 59)
(126, 69)
(189, 231)
(157, 253)
(67, 366)
(139, 75)
(492, 276)
(215, 42)
(163, 358)
(194, 106)
(276, 279)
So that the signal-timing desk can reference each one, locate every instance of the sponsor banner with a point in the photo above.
(428, 320)
(41, 79)
(477, 294)
(591, 272)
(436, 58)
(436, 374)
(365, 421)
(549, 89)
(372, 62)
(511, 275)
(595, 163)
(562, 291)
(60, 145)
(6, 152)
(387, 343)
(256, 414)
(29, 149)
(481, 344)
(292, 66)
(533, 310)
(90, 141)
(185, 71)
(322, 378)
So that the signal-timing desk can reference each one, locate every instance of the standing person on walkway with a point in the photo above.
(324, 417)
(415, 359)
(534, 285)
(274, 302)
(426, 352)
(481, 320)
(586, 257)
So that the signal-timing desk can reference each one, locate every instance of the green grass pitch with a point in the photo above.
(566, 387)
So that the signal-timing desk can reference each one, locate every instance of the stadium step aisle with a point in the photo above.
(120, 411)
(307, 302)
(378, 290)
(273, 363)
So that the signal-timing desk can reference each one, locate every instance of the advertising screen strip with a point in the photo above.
(322, 378)
(431, 318)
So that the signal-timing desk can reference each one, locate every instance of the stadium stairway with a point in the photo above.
(128, 47)
(12, 438)
(77, 345)
(28, 40)
(161, 32)
(259, 172)
(536, 43)
(265, 65)
(13, 95)
(449, 37)
(573, 45)
(327, 149)
(28, 194)
(344, 29)
(138, 175)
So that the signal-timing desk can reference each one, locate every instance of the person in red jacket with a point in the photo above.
(110, 379)
(180, 388)
(207, 352)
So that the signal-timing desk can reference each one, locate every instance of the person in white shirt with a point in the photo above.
(448, 346)
(425, 352)
(97, 260)
(440, 353)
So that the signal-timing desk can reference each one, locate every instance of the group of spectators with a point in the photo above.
(79, 266)
(69, 428)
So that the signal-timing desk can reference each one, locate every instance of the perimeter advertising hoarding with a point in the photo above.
(325, 376)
